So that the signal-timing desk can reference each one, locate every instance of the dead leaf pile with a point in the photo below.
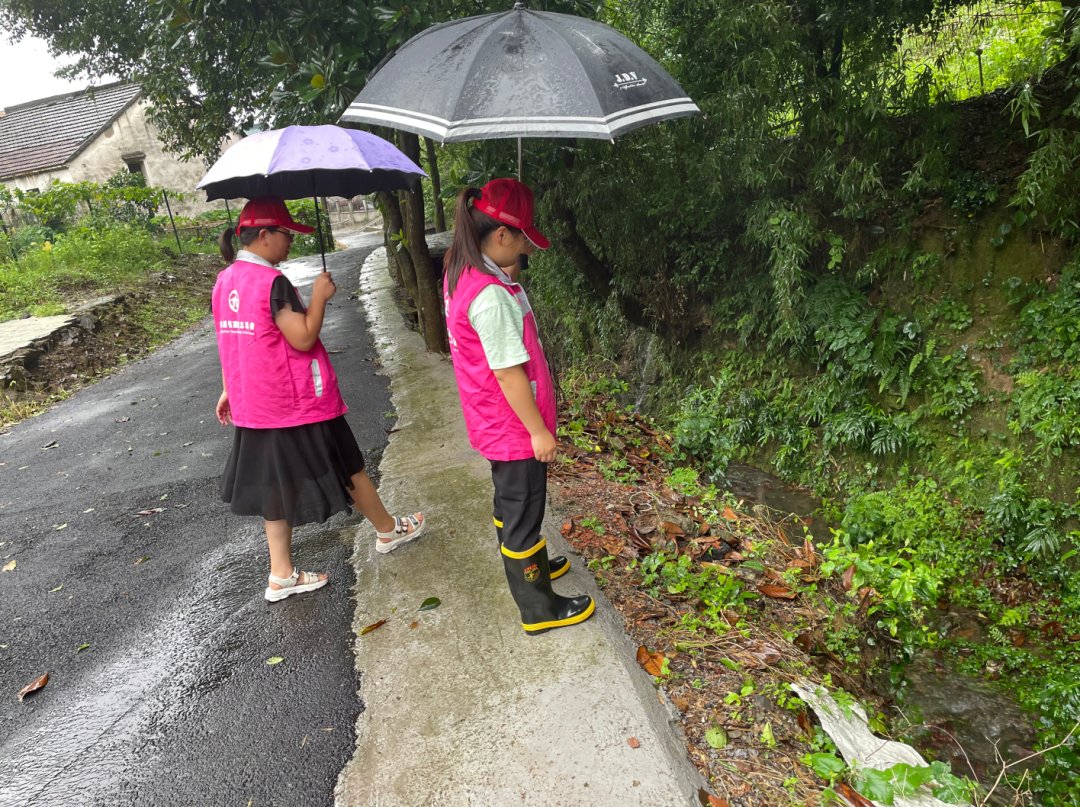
(744, 743)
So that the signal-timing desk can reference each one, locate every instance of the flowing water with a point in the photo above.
(971, 723)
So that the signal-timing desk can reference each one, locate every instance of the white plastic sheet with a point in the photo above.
(859, 746)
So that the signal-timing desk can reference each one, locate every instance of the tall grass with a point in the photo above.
(984, 46)
(80, 263)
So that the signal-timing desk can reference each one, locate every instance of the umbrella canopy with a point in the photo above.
(300, 161)
(519, 73)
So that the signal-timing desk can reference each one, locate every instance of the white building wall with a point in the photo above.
(132, 133)
(38, 181)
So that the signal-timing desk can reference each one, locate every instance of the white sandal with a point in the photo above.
(406, 528)
(297, 583)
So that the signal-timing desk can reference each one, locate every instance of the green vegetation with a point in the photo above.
(875, 295)
(74, 241)
(860, 267)
(79, 263)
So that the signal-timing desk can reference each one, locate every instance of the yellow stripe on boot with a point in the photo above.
(559, 565)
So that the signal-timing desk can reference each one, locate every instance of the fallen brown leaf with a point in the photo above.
(803, 719)
(853, 796)
(730, 514)
(639, 539)
(612, 544)
(651, 662)
(412, 625)
(34, 686)
(777, 592)
(373, 626)
(1054, 629)
(766, 654)
(806, 641)
(716, 801)
(867, 595)
(849, 575)
(672, 528)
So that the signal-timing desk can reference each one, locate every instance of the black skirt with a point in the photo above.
(301, 474)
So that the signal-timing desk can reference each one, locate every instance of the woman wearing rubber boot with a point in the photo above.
(507, 394)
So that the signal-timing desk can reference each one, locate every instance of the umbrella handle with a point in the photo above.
(318, 226)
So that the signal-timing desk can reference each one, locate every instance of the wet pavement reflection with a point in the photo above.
(151, 622)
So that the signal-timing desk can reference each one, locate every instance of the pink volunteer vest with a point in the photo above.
(494, 430)
(271, 384)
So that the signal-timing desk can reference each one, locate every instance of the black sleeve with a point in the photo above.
(283, 292)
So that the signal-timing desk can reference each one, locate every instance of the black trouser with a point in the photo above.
(520, 501)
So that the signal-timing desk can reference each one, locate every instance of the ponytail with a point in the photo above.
(225, 241)
(225, 245)
(471, 227)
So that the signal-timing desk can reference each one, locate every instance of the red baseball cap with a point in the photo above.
(511, 202)
(270, 211)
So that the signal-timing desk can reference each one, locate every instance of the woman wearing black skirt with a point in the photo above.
(294, 458)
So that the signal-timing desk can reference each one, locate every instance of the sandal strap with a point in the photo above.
(404, 522)
(286, 582)
(297, 578)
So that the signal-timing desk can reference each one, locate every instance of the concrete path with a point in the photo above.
(16, 334)
(462, 708)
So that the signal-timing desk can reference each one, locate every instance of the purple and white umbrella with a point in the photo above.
(301, 161)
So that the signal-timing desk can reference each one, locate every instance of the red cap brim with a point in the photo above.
(537, 238)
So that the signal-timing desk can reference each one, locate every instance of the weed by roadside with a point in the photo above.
(730, 604)
(153, 311)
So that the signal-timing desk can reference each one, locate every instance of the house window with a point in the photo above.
(134, 162)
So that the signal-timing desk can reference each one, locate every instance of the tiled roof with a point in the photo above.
(45, 134)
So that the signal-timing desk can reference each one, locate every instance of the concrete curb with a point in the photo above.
(24, 341)
(461, 707)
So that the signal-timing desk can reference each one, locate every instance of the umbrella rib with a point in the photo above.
(435, 123)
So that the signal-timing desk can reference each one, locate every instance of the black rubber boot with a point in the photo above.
(530, 583)
(559, 565)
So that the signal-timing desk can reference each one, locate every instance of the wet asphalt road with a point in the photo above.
(172, 702)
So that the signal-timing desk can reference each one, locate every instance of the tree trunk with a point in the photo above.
(428, 298)
(596, 272)
(436, 186)
(393, 225)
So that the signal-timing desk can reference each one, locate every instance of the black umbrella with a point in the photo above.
(519, 73)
